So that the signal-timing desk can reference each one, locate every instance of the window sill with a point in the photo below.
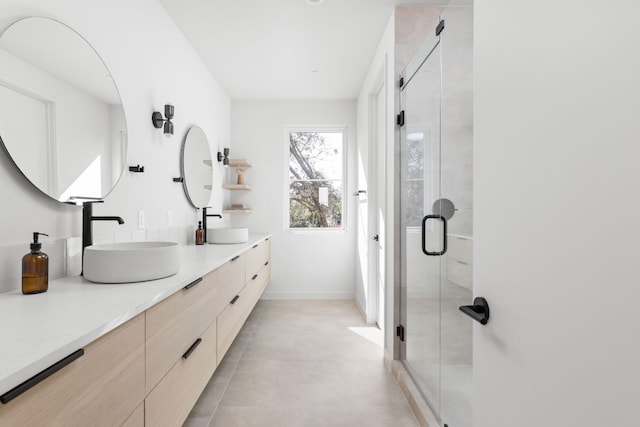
(317, 231)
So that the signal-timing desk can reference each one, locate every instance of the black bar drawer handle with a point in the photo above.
(235, 257)
(266, 263)
(479, 311)
(192, 348)
(255, 276)
(192, 284)
(37, 378)
(236, 298)
(444, 235)
(254, 246)
(266, 239)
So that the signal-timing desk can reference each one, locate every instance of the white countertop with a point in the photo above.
(39, 330)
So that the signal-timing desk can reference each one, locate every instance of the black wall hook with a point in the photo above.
(178, 179)
(136, 168)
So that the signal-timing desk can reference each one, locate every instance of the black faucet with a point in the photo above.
(88, 218)
(204, 221)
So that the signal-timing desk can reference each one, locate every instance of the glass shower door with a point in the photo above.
(421, 231)
(436, 157)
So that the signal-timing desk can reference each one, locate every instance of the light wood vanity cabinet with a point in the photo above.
(232, 318)
(151, 370)
(181, 351)
(189, 332)
(171, 400)
(136, 419)
(232, 280)
(176, 323)
(256, 277)
(103, 387)
(257, 257)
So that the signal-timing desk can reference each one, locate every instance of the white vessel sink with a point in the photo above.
(130, 262)
(227, 235)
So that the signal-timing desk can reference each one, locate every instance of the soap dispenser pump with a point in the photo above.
(35, 268)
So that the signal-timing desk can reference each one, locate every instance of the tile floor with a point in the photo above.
(303, 364)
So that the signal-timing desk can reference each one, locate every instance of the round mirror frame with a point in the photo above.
(196, 167)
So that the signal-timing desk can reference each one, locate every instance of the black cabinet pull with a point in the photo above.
(192, 284)
(254, 246)
(235, 257)
(266, 239)
(266, 263)
(236, 298)
(37, 378)
(255, 276)
(479, 311)
(444, 235)
(192, 348)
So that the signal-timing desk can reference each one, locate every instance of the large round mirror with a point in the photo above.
(61, 117)
(196, 166)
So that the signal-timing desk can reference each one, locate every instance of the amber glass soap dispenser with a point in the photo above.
(199, 234)
(35, 268)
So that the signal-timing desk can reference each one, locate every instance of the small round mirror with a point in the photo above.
(196, 167)
(444, 208)
(61, 117)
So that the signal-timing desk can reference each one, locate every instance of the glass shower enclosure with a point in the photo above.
(436, 227)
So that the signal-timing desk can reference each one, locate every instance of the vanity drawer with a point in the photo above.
(261, 282)
(257, 257)
(175, 323)
(460, 272)
(460, 248)
(111, 370)
(171, 400)
(137, 418)
(232, 318)
(231, 279)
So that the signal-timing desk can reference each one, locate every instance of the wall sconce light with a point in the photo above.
(224, 158)
(157, 119)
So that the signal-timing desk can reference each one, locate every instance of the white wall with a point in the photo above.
(556, 212)
(403, 35)
(152, 64)
(304, 265)
(382, 62)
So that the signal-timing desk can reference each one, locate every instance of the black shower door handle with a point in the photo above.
(479, 311)
(444, 235)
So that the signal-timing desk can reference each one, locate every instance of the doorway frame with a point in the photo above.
(376, 198)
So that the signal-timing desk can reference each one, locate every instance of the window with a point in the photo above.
(415, 178)
(422, 170)
(316, 179)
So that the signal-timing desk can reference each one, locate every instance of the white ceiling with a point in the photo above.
(286, 49)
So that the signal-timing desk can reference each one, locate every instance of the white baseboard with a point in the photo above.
(361, 309)
(308, 295)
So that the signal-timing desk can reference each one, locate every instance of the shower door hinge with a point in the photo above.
(440, 27)
(401, 81)
(400, 118)
(400, 332)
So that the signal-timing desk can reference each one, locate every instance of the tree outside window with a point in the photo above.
(316, 171)
(414, 153)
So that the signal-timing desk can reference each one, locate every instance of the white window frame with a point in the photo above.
(319, 129)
